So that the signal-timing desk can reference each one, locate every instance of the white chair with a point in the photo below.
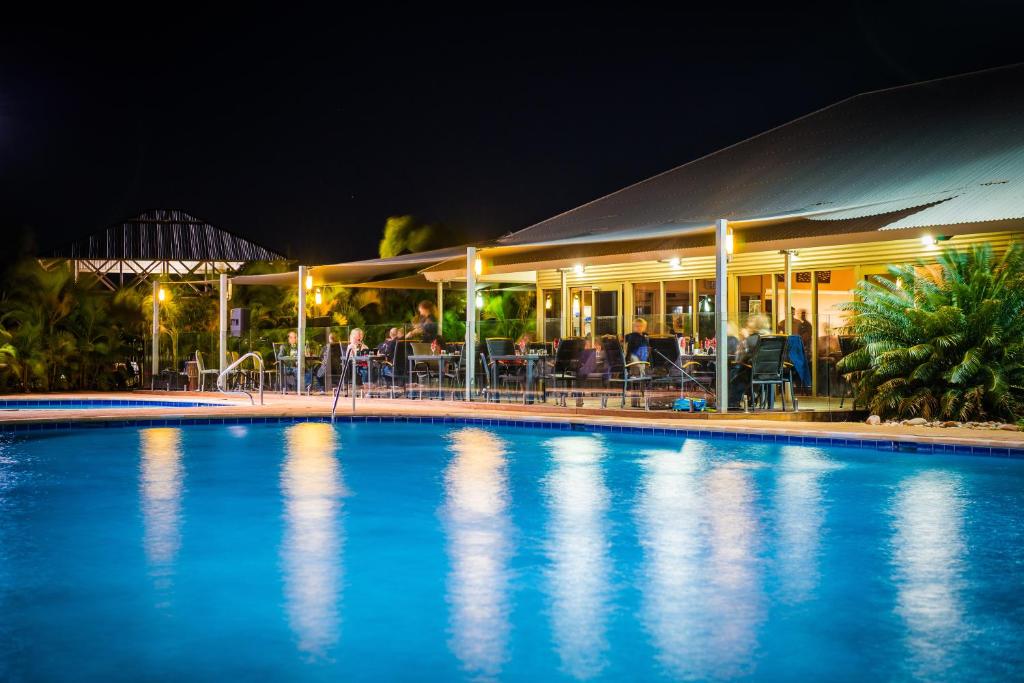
(204, 371)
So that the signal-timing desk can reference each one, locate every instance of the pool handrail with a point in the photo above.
(351, 359)
(226, 371)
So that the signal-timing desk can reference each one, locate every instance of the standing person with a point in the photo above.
(425, 326)
(638, 344)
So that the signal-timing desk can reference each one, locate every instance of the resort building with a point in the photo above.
(781, 225)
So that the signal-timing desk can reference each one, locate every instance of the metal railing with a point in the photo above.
(224, 373)
(350, 363)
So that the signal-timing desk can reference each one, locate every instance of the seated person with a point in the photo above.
(387, 347)
(739, 371)
(287, 360)
(356, 347)
(325, 360)
(638, 345)
(523, 343)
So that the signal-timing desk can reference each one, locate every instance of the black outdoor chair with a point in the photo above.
(666, 361)
(331, 368)
(619, 372)
(565, 371)
(505, 372)
(767, 370)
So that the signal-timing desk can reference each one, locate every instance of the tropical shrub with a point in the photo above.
(943, 341)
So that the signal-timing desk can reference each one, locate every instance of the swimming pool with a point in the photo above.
(436, 552)
(93, 403)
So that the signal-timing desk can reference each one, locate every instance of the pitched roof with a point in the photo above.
(165, 235)
(953, 147)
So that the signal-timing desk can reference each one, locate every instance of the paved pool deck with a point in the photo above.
(291, 406)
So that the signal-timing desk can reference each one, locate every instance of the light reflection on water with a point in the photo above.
(669, 510)
(929, 562)
(311, 482)
(577, 548)
(161, 479)
(800, 510)
(698, 527)
(476, 521)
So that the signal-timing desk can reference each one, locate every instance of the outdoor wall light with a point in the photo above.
(161, 294)
(309, 282)
(547, 302)
(933, 240)
(478, 266)
(479, 300)
(729, 243)
(318, 297)
(578, 269)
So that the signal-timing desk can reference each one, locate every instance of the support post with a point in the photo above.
(222, 345)
(694, 311)
(300, 360)
(789, 292)
(814, 336)
(440, 309)
(566, 308)
(722, 315)
(469, 348)
(155, 348)
(540, 315)
(662, 310)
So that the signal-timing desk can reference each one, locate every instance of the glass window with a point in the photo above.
(647, 305)
(552, 303)
(678, 308)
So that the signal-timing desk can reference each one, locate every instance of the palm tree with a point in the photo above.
(942, 341)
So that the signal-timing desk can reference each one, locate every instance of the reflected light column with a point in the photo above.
(161, 478)
(669, 514)
(928, 557)
(798, 500)
(475, 514)
(311, 550)
(578, 499)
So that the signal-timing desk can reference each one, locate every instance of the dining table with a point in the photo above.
(442, 360)
(530, 360)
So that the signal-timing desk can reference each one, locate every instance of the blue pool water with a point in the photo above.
(447, 552)
(90, 403)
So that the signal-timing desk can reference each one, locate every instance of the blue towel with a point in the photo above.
(798, 359)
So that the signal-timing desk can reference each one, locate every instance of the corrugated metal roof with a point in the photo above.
(873, 153)
(165, 235)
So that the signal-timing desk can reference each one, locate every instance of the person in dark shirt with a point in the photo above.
(425, 327)
(638, 345)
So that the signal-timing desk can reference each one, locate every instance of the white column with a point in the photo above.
(722, 314)
(814, 337)
(155, 349)
(222, 345)
(470, 346)
(566, 308)
(300, 362)
(789, 292)
(440, 309)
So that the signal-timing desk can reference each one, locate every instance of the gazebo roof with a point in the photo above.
(165, 235)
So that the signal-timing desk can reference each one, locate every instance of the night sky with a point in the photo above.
(305, 134)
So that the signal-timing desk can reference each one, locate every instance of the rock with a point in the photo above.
(950, 423)
(916, 421)
(1009, 428)
(874, 420)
